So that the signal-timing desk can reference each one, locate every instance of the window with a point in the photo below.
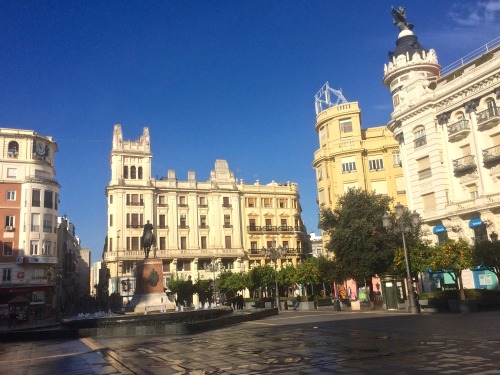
(132, 173)
(282, 203)
(429, 201)
(9, 222)
(442, 237)
(349, 167)
(13, 149)
(161, 222)
(11, 196)
(253, 245)
(284, 224)
(134, 220)
(134, 200)
(322, 135)
(47, 199)
(110, 199)
(163, 243)
(47, 248)
(252, 224)
(465, 150)
(203, 202)
(473, 191)
(56, 200)
(419, 135)
(319, 173)
(379, 187)
(203, 242)
(228, 242)
(267, 202)
(396, 159)
(6, 274)
(182, 223)
(346, 126)
(47, 223)
(250, 202)
(110, 220)
(424, 168)
(183, 243)
(125, 172)
(34, 247)
(35, 198)
(225, 202)
(135, 243)
(35, 222)
(227, 221)
(182, 201)
(203, 221)
(162, 202)
(139, 173)
(268, 224)
(395, 100)
(350, 185)
(376, 164)
(400, 185)
(7, 248)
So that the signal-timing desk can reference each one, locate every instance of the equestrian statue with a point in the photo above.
(148, 240)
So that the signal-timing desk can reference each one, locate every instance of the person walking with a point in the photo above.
(297, 300)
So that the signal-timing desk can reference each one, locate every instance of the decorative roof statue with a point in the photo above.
(399, 16)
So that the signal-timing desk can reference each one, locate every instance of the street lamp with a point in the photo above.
(415, 218)
(274, 254)
(214, 266)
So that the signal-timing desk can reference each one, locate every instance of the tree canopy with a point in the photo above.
(362, 247)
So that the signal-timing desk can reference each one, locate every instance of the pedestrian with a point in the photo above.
(12, 319)
(297, 301)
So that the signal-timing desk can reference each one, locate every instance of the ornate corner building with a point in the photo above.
(196, 223)
(447, 124)
(29, 196)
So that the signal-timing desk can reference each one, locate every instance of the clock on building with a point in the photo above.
(40, 149)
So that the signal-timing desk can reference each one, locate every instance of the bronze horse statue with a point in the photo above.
(148, 240)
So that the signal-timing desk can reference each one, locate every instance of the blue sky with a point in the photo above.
(231, 80)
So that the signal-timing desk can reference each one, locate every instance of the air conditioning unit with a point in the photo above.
(9, 228)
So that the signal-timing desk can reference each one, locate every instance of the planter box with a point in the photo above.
(466, 306)
(355, 305)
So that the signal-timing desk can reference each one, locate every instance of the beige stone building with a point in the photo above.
(352, 157)
(447, 124)
(197, 224)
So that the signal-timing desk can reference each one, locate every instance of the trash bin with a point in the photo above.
(336, 305)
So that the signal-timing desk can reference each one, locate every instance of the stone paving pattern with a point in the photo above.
(306, 342)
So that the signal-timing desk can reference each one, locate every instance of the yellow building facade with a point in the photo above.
(352, 157)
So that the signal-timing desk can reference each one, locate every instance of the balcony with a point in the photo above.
(290, 252)
(424, 174)
(183, 226)
(420, 141)
(134, 226)
(272, 228)
(458, 130)
(182, 205)
(141, 203)
(491, 155)
(465, 164)
(203, 226)
(226, 205)
(228, 226)
(488, 118)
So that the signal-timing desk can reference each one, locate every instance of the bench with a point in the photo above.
(324, 302)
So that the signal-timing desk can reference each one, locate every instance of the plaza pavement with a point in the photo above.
(294, 342)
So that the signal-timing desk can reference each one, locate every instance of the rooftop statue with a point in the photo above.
(399, 16)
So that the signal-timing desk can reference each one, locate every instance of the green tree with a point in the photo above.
(362, 247)
(420, 255)
(287, 276)
(232, 282)
(453, 257)
(487, 254)
(183, 288)
(308, 272)
(329, 271)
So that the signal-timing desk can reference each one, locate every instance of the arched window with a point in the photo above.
(419, 136)
(132, 173)
(139, 173)
(125, 172)
(13, 146)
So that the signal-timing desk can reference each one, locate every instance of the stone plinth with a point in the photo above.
(149, 293)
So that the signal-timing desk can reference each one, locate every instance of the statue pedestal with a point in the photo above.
(149, 293)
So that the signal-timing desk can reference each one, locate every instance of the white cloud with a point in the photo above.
(475, 13)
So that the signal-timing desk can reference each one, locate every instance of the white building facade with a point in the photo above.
(447, 124)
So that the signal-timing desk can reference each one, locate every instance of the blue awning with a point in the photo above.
(476, 222)
(439, 229)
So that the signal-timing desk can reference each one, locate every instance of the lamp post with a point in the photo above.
(415, 218)
(214, 267)
(274, 254)
(58, 296)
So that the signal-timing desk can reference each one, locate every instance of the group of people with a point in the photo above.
(15, 318)
(237, 302)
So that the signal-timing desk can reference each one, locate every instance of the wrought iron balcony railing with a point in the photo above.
(488, 118)
(458, 130)
(491, 155)
(420, 141)
(464, 164)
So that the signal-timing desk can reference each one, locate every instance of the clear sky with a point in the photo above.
(231, 80)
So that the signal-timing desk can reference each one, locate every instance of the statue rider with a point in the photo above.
(148, 227)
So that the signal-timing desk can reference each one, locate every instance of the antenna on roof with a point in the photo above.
(323, 98)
